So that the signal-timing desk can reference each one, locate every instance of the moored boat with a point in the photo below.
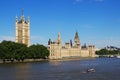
(91, 70)
(118, 56)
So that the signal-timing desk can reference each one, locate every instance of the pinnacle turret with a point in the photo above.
(16, 19)
(76, 40)
(59, 39)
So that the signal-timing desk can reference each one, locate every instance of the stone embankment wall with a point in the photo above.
(25, 60)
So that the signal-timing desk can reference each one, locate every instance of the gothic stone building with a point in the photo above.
(23, 30)
(57, 51)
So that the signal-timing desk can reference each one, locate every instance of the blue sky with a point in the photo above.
(97, 21)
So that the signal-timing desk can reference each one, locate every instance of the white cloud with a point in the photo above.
(38, 40)
(88, 26)
(33, 39)
(99, 0)
(103, 42)
(8, 38)
(78, 1)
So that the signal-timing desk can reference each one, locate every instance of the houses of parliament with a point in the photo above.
(57, 50)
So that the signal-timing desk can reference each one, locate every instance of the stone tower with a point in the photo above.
(59, 39)
(23, 30)
(76, 40)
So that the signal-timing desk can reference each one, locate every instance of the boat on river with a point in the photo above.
(91, 70)
(118, 56)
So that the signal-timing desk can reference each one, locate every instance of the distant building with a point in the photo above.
(23, 30)
(57, 51)
(111, 48)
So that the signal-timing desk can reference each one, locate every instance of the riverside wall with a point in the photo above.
(25, 60)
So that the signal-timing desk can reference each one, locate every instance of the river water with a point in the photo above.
(106, 69)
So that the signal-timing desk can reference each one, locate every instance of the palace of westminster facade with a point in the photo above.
(57, 51)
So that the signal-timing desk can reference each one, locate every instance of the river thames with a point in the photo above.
(105, 69)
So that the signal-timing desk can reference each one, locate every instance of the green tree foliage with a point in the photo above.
(107, 52)
(38, 51)
(10, 50)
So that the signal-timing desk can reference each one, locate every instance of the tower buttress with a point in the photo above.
(16, 31)
(71, 43)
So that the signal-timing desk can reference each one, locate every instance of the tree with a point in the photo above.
(38, 51)
(107, 52)
(11, 51)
